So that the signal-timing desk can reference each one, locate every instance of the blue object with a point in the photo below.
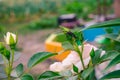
(91, 34)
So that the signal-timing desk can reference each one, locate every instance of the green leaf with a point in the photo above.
(18, 70)
(39, 57)
(113, 37)
(16, 57)
(64, 29)
(26, 77)
(49, 75)
(105, 24)
(114, 62)
(102, 39)
(92, 53)
(109, 30)
(79, 37)
(92, 76)
(87, 72)
(67, 45)
(6, 53)
(109, 55)
(114, 74)
(95, 56)
(75, 68)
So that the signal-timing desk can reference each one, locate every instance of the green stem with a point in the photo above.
(9, 78)
(10, 64)
(81, 59)
(12, 60)
(9, 70)
(79, 77)
(80, 53)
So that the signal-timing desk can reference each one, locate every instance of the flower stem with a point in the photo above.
(9, 70)
(81, 59)
(10, 65)
(9, 78)
(80, 53)
(12, 60)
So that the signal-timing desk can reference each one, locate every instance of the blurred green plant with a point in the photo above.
(30, 8)
(43, 23)
(78, 7)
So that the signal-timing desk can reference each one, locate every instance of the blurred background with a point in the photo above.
(35, 20)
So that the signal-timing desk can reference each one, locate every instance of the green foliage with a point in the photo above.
(109, 30)
(49, 75)
(18, 70)
(111, 75)
(106, 24)
(112, 40)
(109, 56)
(87, 72)
(114, 62)
(95, 56)
(2, 30)
(67, 46)
(78, 7)
(26, 77)
(28, 8)
(41, 24)
(6, 53)
(114, 37)
(75, 69)
(39, 57)
(92, 53)
(60, 38)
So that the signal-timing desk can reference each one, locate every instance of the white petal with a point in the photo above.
(7, 38)
(86, 61)
(57, 67)
(71, 59)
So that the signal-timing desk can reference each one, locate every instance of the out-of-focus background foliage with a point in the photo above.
(27, 15)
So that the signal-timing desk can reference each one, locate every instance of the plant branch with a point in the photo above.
(80, 53)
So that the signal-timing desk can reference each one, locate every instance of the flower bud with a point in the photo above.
(10, 38)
